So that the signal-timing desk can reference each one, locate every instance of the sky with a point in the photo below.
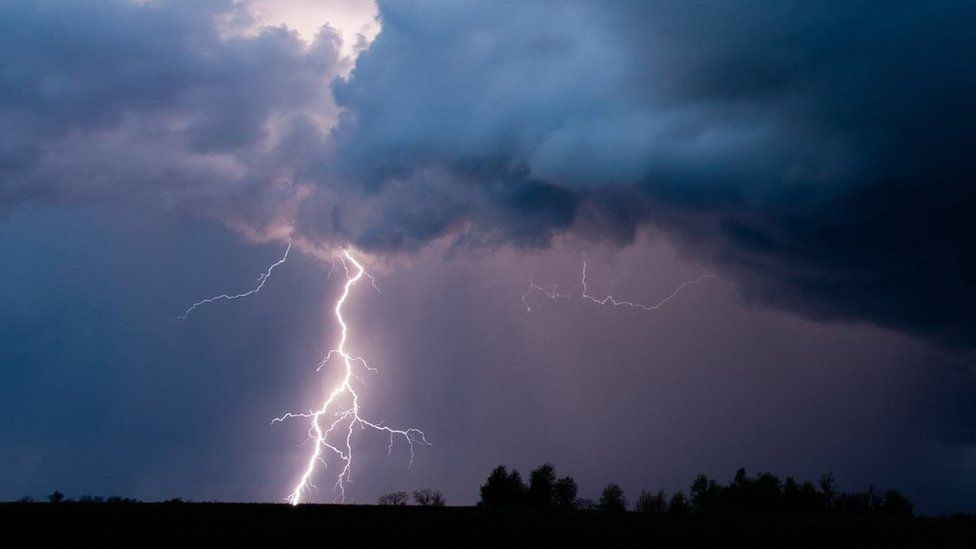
(814, 160)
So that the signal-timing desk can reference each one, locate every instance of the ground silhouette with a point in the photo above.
(748, 511)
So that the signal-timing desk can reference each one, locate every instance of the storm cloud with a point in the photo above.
(158, 105)
(819, 154)
(822, 153)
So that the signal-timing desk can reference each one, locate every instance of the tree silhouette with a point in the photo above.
(503, 489)
(764, 494)
(56, 497)
(801, 498)
(760, 494)
(565, 492)
(896, 505)
(829, 489)
(678, 504)
(399, 498)
(704, 494)
(428, 498)
(612, 498)
(649, 502)
(542, 486)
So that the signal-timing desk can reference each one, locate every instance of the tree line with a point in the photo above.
(58, 497)
(424, 498)
(762, 494)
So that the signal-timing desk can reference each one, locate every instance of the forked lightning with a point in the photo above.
(333, 416)
(339, 413)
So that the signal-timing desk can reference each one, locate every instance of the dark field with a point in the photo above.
(181, 524)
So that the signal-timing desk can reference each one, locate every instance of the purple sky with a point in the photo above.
(155, 154)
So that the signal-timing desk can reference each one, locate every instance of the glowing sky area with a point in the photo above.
(782, 225)
(352, 18)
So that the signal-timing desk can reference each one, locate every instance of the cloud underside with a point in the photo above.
(819, 154)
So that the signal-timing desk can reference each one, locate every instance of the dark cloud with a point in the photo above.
(159, 101)
(819, 151)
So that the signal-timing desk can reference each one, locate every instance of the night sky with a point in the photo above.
(816, 158)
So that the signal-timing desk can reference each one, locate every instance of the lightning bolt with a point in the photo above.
(262, 278)
(552, 292)
(339, 413)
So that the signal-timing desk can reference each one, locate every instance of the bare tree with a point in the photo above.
(428, 498)
(394, 498)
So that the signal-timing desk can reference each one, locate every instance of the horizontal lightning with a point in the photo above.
(262, 278)
(552, 292)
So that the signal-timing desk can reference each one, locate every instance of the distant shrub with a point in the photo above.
(120, 499)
